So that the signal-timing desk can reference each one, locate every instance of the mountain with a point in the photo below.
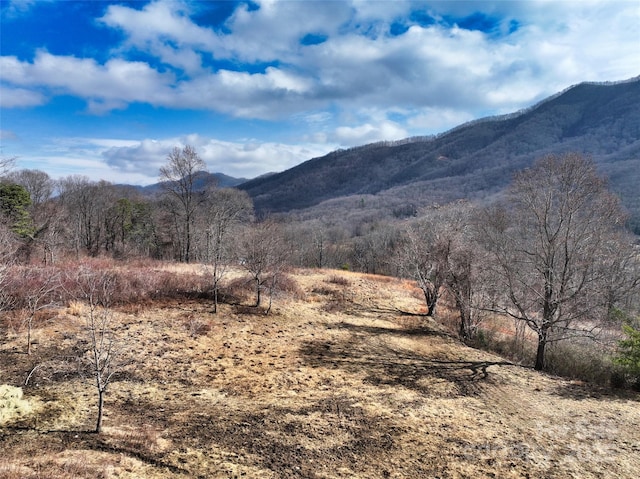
(475, 160)
(202, 180)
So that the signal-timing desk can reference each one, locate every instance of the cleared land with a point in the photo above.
(338, 382)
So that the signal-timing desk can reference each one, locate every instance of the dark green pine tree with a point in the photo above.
(14, 203)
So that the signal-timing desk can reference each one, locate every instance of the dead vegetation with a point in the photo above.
(342, 379)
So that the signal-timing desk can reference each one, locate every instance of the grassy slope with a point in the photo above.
(338, 384)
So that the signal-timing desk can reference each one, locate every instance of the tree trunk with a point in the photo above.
(29, 336)
(431, 298)
(431, 308)
(465, 321)
(542, 344)
(100, 409)
(215, 299)
(258, 295)
(187, 239)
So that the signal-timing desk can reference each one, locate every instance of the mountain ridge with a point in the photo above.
(477, 159)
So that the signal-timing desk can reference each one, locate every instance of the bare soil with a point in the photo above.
(343, 381)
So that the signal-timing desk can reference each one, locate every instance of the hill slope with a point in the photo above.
(337, 383)
(477, 159)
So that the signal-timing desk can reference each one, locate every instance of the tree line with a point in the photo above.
(552, 253)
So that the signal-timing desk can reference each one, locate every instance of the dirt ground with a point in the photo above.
(340, 381)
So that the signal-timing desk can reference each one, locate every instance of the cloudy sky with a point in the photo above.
(106, 89)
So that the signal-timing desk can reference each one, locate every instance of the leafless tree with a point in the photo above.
(371, 251)
(6, 164)
(226, 209)
(548, 243)
(263, 255)
(38, 183)
(313, 243)
(105, 354)
(463, 265)
(34, 289)
(86, 204)
(8, 244)
(5, 287)
(178, 180)
(421, 258)
(439, 252)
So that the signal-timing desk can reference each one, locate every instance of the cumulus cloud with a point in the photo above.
(248, 158)
(358, 62)
(114, 84)
(19, 97)
(164, 30)
(367, 133)
(346, 72)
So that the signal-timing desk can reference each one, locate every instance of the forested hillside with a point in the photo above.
(478, 159)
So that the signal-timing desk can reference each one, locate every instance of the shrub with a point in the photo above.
(628, 357)
(287, 284)
(196, 325)
(236, 290)
(584, 359)
(340, 280)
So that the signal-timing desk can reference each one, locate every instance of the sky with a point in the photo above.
(107, 89)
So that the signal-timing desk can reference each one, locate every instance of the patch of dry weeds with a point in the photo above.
(341, 382)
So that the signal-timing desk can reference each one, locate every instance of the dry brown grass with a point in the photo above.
(358, 389)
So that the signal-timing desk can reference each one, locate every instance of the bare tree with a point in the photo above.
(548, 245)
(462, 265)
(8, 244)
(178, 180)
(263, 255)
(86, 204)
(439, 252)
(226, 209)
(421, 258)
(33, 290)
(5, 297)
(371, 251)
(38, 183)
(105, 354)
(6, 164)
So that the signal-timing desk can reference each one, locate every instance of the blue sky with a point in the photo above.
(106, 89)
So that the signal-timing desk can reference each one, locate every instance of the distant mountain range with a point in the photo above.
(476, 160)
(202, 180)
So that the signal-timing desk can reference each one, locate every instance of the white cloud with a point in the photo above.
(115, 83)
(368, 133)
(357, 84)
(434, 66)
(19, 97)
(66, 164)
(253, 158)
(274, 30)
(165, 30)
(246, 158)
